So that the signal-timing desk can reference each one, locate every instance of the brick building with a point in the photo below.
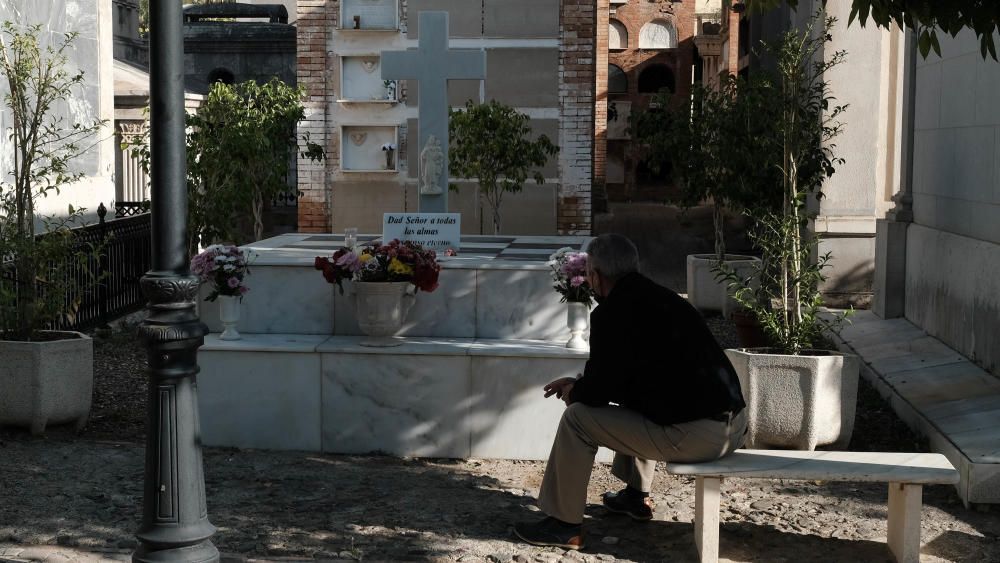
(645, 47)
(540, 59)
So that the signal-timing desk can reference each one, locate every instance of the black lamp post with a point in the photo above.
(175, 524)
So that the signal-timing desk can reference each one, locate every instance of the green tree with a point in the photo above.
(240, 145)
(787, 301)
(713, 147)
(491, 143)
(45, 142)
(925, 17)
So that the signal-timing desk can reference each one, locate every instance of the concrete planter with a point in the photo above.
(797, 402)
(46, 382)
(704, 291)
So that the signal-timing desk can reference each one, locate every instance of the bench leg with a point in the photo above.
(904, 521)
(706, 518)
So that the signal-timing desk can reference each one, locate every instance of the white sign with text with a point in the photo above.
(435, 231)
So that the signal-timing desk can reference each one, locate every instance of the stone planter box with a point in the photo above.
(45, 383)
(797, 402)
(704, 291)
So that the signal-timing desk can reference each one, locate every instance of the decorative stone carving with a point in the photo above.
(369, 65)
(431, 167)
(358, 138)
(168, 289)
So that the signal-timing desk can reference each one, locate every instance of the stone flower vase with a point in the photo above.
(389, 164)
(577, 320)
(229, 315)
(381, 308)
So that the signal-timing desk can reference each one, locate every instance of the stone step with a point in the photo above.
(429, 397)
(937, 392)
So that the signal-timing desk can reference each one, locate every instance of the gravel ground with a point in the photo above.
(84, 492)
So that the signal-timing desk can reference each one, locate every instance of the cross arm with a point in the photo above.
(467, 64)
(400, 65)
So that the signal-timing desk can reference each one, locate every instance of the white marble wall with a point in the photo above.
(291, 297)
(261, 393)
(431, 397)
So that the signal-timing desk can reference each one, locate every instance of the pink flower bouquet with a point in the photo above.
(569, 272)
(225, 267)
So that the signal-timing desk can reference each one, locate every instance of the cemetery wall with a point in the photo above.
(953, 247)
(93, 54)
(539, 56)
(870, 83)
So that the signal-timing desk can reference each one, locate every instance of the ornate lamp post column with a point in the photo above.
(175, 524)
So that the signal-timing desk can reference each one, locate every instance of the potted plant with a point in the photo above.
(797, 396)
(385, 279)
(226, 268)
(711, 149)
(45, 376)
(569, 272)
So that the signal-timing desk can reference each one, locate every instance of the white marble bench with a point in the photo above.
(906, 473)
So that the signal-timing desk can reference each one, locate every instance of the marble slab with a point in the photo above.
(525, 349)
(519, 304)
(265, 400)
(952, 403)
(922, 468)
(482, 294)
(396, 404)
(282, 299)
(448, 311)
(508, 414)
(298, 343)
(415, 346)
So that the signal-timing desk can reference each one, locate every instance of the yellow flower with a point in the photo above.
(365, 257)
(397, 267)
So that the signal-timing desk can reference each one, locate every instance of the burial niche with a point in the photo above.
(658, 34)
(617, 35)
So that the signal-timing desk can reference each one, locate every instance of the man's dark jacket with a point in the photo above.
(651, 351)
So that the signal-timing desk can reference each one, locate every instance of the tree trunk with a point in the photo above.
(719, 220)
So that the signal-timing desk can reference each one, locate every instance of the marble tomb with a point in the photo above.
(466, 382)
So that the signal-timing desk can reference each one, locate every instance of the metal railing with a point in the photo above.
(124, 256)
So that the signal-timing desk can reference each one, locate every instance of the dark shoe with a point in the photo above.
(550, 532)
(627, 502)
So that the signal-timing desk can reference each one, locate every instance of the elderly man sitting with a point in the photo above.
(657, 386)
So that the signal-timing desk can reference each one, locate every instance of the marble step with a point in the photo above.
(429, 397)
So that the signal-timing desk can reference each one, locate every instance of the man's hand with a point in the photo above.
(560, 388)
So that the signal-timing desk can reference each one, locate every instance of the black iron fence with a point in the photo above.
(124, 257)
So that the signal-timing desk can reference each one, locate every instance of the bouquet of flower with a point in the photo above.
(569, 272)
(389, 147)
(392, 262)
(225, 266)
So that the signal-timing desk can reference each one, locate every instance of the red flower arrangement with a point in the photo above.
(393, 262)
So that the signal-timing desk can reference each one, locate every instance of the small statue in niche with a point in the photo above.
(431, 167)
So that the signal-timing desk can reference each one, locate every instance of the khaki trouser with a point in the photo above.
(638, 444)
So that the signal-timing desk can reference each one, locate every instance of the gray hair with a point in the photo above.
(613, 255)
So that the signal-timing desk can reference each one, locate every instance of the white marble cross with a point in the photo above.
(432, 64)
